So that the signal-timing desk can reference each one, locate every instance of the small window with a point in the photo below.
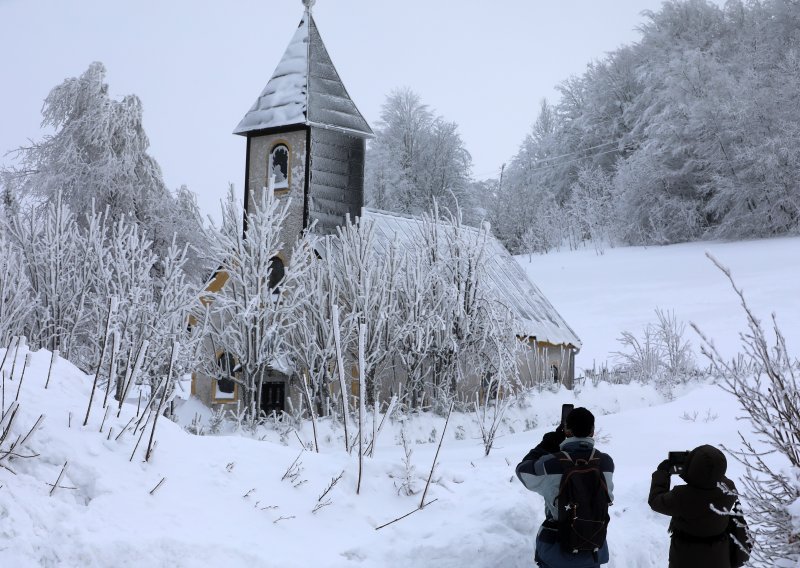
(276, 273)
(226, 364)
(279, 166)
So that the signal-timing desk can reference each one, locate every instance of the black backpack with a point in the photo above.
(582, 504)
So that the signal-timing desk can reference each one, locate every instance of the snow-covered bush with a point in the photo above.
(366, 282)
(56, 261)
(471, 333)
(16, 296)
(312, 337)
(661, 354)
(765, 379)
(74, 270)
(249, 317)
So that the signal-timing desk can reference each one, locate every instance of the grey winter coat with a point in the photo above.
(540, 471)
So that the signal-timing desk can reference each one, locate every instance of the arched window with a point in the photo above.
(279, 166)
(276, 273)
(226, 364)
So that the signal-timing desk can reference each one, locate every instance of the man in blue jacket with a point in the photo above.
(541, 471)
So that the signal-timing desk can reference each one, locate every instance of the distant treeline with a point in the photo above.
(693, 132)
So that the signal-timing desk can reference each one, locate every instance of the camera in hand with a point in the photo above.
(565, 410)
(677, 460)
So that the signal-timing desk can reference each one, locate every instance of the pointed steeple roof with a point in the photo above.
(305, 89)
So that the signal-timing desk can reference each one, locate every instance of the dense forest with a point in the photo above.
(690, 133)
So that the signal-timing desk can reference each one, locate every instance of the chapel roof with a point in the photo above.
(305, 89)
(536, 315)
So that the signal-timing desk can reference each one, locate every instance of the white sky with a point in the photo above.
(198, 65)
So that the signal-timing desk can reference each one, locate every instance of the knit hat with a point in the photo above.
(580, 422)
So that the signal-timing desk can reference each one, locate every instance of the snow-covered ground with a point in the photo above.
(223, 501)
(601, 295)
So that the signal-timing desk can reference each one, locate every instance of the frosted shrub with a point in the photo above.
(16, 296)
(69, 270)
(249, 318)
(764, 379)
(661, 354)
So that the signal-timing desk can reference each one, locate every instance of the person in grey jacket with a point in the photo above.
(540, 471)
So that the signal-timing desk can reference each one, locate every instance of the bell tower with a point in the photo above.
(305, 130)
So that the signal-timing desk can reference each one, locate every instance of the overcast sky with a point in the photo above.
(198, 65)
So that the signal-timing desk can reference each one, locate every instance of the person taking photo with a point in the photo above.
(575, 480)
(707, 528)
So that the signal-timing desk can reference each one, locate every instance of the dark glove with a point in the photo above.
(663, 466)
(551, 441)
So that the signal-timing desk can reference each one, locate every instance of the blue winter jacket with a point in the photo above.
(540, 471)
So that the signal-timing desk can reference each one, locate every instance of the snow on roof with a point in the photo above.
(305, 89)
(537, 316)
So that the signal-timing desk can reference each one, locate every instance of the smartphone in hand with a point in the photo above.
(677, 461)
(565, 410)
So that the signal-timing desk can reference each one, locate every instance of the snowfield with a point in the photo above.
(236, 500)
(601, 295)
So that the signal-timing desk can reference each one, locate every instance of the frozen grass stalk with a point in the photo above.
(22, 376)
(58, 480)
(164, 394)
(311, 410)
(130, 375)
(340, 367)
(362, 391)
(435, 457)
(53, 359)
(112, 307)
(154, 489)
(112, 366)
(8, 349)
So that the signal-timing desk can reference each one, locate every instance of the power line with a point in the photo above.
(575, 153)
(548, 166)
(578, 151)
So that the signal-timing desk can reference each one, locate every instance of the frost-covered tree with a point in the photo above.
(526, 213)
(17, 303)
(472, 334)
(590, 207)
(765, 379)
(70, 274)
(97, 159)
(311, 338)
(693, 126)
(416, 158)
(366, 284)
(154, 302)
(58, 265)
(420, 314)
(73, 269)
(249, 318)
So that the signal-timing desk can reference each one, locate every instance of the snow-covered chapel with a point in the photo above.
(306, 133)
